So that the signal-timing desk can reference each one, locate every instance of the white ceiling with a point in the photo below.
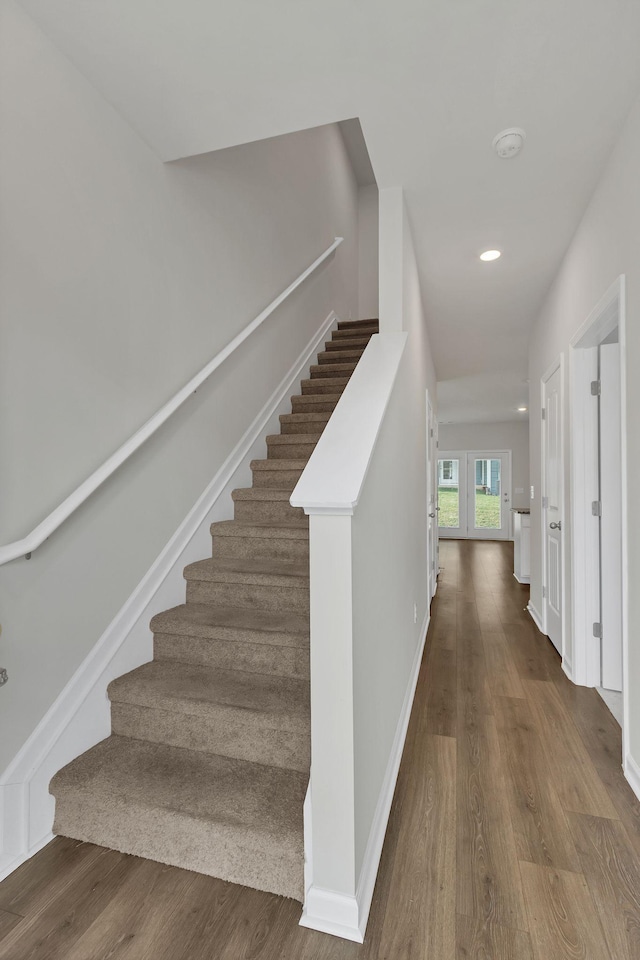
(432, 81)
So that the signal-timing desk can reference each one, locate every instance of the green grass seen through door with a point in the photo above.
(487, 509)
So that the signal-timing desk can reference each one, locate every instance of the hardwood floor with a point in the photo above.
(513, 833)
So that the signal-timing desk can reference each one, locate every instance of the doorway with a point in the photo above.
(552, 507)
(474, 494)
(598, 490)
(433, 564)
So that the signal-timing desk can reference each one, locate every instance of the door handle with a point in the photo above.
(432, 514)
(556, 526)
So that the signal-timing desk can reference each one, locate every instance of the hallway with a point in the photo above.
(513, 834)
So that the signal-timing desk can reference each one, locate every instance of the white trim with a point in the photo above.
(80, 716)
(24, 547)
(334, 913)
(609, 313)
(558, 364)
(522, 579)
(632, 774)
(535, 616)
(566, 668)
(339, 914)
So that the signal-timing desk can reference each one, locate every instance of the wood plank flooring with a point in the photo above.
(513, 833)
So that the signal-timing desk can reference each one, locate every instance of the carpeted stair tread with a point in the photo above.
(324, 385)
(335, 369)
(290, 439)
(338, 347)
(220, 816)
(352, 332)
(315, 418)
(292, 530)
(348, 355)
(276, 703)
(322, 402)
(219, 622)
(265, 572)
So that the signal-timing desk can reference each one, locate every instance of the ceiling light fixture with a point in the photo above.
(522, 409)
(508, 143)
(490, 255)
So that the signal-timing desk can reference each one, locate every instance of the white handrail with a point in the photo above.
(24, 547)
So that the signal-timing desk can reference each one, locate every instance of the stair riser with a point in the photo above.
(322, 385)
(329, 370)
(346, 356)
(220, 732)
(346, 335)
(276, 479)
(266, 510)
(337, 347)
(271, 659)
(311, 404)
(358, 324)
(303, 426)
(294, 598)
(216, 849)
(291, 451)
(257, 548)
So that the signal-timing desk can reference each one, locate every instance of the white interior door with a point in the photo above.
(552, 480)
(474, 494)
(432, 500)
(488, 495)
(611, 516)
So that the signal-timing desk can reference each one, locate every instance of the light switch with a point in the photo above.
(533, 496)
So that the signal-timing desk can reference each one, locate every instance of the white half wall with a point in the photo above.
(507, 435)
(365, 488)
(121, 277)
(605, 246)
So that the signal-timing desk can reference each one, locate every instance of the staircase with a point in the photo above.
(208, 761)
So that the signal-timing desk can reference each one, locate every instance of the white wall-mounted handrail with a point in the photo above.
(24, 547)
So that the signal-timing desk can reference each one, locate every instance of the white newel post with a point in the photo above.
(330, 902)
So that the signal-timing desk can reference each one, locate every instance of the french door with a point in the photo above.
(474, 494)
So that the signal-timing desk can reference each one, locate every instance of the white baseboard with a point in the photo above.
(346, 916)
(522, 579)
(80, 717)
(632, 773)
(567, 670)
(535, 616)
(334, 913)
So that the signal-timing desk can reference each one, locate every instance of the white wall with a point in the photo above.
(606, 244)
(507, 435)
(368, 251)
(121, 278)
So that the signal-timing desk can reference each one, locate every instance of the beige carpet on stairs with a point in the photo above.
(208, 761)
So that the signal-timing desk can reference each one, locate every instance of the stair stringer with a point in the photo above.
(81, 717)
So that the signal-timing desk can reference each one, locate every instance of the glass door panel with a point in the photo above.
(474, 494)
(489, 496)
(487, 503)
(451, 506)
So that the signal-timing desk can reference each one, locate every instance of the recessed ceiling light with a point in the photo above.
(490, 255)
(522, 409)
